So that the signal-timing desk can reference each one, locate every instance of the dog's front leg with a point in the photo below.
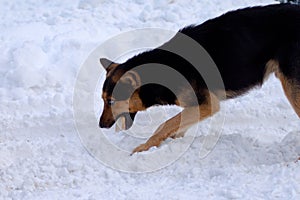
(181, 122)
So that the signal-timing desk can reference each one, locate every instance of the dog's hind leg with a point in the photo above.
(289, 73)
(291, 89)
(181, 122)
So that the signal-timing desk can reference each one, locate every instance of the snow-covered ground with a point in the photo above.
(43, 45)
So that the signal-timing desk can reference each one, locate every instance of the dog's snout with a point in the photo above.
(103, 124)
(106, 122)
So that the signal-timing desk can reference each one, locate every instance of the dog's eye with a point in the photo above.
(110, 102)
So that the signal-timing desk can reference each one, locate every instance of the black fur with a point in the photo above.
(240, 43)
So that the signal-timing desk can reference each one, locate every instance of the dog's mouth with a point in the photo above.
(126, 123)
(127, 118)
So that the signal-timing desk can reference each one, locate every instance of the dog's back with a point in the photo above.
(243, 42)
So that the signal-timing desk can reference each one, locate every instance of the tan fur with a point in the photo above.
(117, 74)
(297, 103)
(104, 96)
(133, 104)
(111, 68)
(292, 91)
(181, 122)
(271, 66)
(131, 77)
(231, 94)
(120, 107)
(185, 96)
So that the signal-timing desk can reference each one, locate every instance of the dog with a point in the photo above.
(247, 45)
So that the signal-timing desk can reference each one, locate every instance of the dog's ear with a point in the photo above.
(133, 78)
(108, 64)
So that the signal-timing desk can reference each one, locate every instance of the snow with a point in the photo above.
(44, 44)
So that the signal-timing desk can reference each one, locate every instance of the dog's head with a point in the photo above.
(120, 95)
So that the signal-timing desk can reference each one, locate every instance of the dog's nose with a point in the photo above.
(102, 125)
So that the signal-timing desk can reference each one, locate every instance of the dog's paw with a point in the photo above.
(153, 141)
(142, 147)
(178, 135)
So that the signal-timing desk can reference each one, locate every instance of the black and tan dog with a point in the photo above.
(246, 45)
